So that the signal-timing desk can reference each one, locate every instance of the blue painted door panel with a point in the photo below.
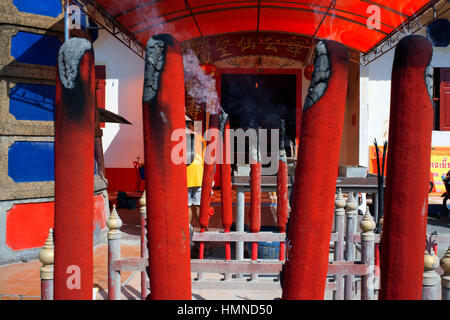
(32, 102)
(50, 8)
(35, 48)
(31, 161)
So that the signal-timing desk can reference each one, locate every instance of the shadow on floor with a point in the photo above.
(131, 221)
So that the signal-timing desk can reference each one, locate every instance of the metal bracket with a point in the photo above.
(410, 26)
(99, 14)
(101, 17)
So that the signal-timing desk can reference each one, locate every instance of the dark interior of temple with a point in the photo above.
(263, 99)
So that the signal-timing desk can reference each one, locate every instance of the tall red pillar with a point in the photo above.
(74, 171)
(208, 169)
(255, 189)
(406, 197)
(282, 191)
(166, 188)
(316, 173)
(209, 164)
(225, 183)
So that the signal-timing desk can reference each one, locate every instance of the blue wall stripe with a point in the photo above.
(35, 48)
(31, 161)
(32, 102)
(51, 8)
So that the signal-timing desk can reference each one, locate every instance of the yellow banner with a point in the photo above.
(439, 166)
(373, 159)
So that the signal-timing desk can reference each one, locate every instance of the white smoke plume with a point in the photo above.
(320, 8)
(160, 25)
(202, 87)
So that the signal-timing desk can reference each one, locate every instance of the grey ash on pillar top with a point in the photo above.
(154, 63)
(429, 81)
(320, 76)
(223, 118)
(69, 58)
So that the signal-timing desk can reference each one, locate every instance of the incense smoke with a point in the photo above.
(202, 87)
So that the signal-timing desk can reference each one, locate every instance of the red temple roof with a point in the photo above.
(347, 21)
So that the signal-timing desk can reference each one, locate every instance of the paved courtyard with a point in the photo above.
(20, 281)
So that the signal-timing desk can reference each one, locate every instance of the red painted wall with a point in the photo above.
(27, 224)
(123, 179)
(99, 212)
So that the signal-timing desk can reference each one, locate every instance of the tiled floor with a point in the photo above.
(21, 281)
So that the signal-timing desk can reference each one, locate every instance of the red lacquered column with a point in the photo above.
(208, 175)
(74, 171)
(311, 217)
(255, 193)
(166, 191)
(406, 197)
(377, 259)
(225, 182)
(282, 191)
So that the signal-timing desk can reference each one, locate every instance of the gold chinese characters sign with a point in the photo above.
(218, 47)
